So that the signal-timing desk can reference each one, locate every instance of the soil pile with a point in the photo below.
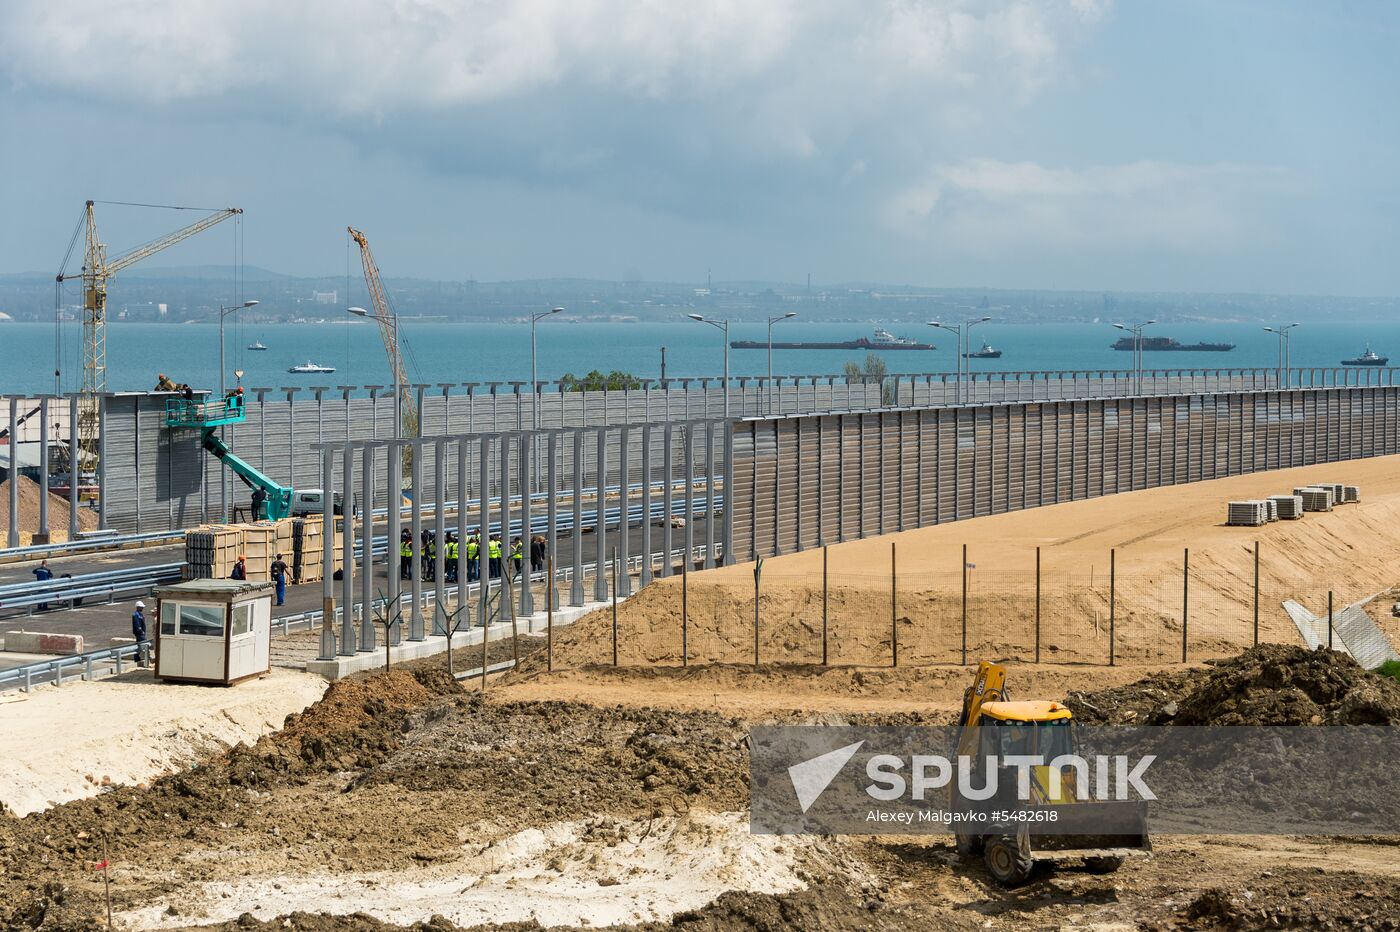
(1272, 684)
(29, 509)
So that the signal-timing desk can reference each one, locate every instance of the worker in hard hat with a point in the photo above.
(493, 552)
(474, 556)
(451, 556)
(405, 553)
(138, 631)
(240, 569)
(517, 555)
(163, 383)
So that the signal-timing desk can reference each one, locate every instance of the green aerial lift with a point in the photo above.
(209, 416)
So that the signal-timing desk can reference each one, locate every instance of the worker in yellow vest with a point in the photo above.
(451, 556)
(474, 557)
(517, 553)
(493, 550)
(405, 553)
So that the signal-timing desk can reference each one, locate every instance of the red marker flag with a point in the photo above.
(100, 866)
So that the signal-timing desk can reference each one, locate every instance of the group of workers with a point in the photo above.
(456, 554)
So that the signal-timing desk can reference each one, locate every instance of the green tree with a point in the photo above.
(873, 372)
(596, 381)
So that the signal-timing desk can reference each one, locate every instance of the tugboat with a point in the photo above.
(310, 367)
(257, 346)
(986, 352)
(1368, 358)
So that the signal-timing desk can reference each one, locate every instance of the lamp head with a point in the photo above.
(984, 319)
(250, 303)
(358, 311)
(790, 314)
(555, 310)
(1146, 322)
(698, 317)
(1120, 327)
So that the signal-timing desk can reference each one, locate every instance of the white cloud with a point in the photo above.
(807, 63)
(990, 207)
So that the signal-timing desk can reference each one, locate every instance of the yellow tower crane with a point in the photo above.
(389, 332)
(97, 269)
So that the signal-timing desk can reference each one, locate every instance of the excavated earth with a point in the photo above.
(408, 783)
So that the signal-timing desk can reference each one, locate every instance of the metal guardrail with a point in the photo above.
(88, 586)
(68, 548)
(93, 665)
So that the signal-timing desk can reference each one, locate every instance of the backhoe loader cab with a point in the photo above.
(1102, 833)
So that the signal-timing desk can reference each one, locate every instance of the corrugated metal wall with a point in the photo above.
(800, 482)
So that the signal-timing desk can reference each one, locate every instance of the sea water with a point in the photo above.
(481, 352)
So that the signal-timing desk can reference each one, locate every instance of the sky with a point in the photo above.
(1197, 145)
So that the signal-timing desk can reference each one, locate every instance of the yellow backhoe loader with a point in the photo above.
(1012, 833)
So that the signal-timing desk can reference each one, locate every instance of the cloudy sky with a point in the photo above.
(1184, 146)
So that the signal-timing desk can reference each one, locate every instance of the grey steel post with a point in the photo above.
(600, 579)
(624, 521)
(689, 534)
(14, 472)
(440, 536)
(367, 638)
(525, 469)
(727, 531)
(484, 502)
(42, 535)
(1186, 600)
(709, 494)
(327, 561)
(646, 504)
(666, 504)
(504, 609)
(415, 563)
(463, 589)
(348, 637)
(552, 504)
(74, 468)
(393, 471)
(101, 462)
(576, 535)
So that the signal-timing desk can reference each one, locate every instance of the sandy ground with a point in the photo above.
(29, 512)
(71, 742)
(1350, 551)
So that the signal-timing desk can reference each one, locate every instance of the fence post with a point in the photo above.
(757, 572)
(894, 615)
(1037, 605)
(964, 604)
(685, 615)
(1185, 597)
(1329, 619)
(1256, 593)
(1112, 605)
(548, 612)
(825, 595)
(614, 587)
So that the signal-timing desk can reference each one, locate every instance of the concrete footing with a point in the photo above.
(340, 667)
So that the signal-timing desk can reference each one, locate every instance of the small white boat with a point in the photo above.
(309, 367)
(257, 346)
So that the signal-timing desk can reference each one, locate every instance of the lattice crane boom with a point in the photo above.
(97, 269)
(388, 332)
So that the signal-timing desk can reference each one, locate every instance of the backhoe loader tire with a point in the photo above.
(969, 846)
(1106, 865)
(1005, 862)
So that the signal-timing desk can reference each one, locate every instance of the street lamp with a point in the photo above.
(535, 393)
(771, 322)
(224, 312)
(723, 327)
(1283, 360)
(1136, 331)
(393, 321)
(959, 330)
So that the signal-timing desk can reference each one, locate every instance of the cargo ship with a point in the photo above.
(1368, 358)
(882, 340)
(1167, 344)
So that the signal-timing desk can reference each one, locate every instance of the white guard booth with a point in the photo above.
(213, 630)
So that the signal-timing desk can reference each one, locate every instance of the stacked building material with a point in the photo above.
(259, 546)
(1272, 509)
(1317, 499)
(211, 551)
(1247, 513)
(1339, 492)
(308, 543)
(1353, 493)
(1289, 507)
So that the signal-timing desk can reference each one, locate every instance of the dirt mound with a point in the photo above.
(1272, 684)
(29, 509)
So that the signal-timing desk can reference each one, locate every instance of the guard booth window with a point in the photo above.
(194, 620)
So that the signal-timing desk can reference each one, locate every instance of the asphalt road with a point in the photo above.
(98, 623)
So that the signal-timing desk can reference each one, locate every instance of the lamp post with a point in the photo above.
(723, 327)
(1136, 331)
(771, 322)
(224, 312)
(959, 330)
(1283, 360)
(393, 322)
